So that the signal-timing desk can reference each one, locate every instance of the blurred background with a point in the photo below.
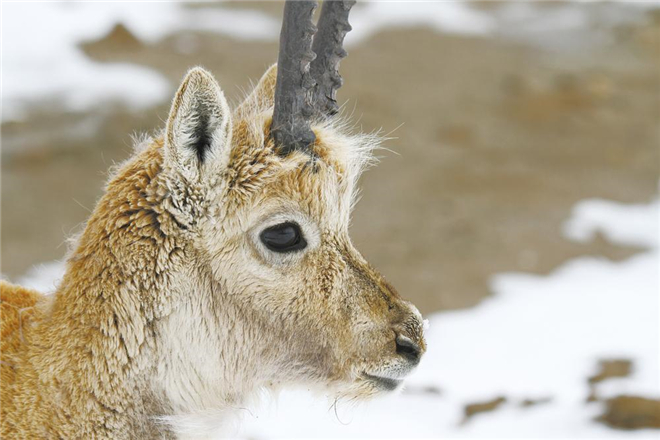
(516, 205)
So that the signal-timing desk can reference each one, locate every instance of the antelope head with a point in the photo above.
(263, 196)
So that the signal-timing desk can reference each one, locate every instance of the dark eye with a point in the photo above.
(285, 237)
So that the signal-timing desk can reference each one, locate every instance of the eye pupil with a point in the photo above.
(285, 237)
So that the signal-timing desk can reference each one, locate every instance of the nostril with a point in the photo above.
(407, 348)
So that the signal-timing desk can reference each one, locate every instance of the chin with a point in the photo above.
(367, 386)
(382, 384)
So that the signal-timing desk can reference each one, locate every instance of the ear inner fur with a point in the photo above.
(199, 125)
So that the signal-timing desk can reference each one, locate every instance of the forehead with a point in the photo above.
(321, 183)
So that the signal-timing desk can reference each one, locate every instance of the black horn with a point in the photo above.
(328, 47)
(293, 108)
(308, 70)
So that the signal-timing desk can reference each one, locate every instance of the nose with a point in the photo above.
(408, 348)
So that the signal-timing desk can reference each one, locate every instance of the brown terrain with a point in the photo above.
(495, 140)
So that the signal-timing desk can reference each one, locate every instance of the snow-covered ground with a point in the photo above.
(537, 337)
(42, 60)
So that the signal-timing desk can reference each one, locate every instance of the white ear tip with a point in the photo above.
(425, 324)
(199, 71)
(199, 80)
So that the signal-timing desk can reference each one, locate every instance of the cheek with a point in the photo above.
(370, 340)
(370, 333)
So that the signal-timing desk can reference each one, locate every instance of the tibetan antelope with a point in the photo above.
(217, 264)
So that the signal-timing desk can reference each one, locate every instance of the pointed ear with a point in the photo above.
(198, 133)
(262, 96)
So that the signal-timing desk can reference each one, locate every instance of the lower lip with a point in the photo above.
(383, 382)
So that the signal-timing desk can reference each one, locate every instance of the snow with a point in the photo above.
(603, 216)
(42, 60)
(537, 337)
(43, 277)
(449, 17)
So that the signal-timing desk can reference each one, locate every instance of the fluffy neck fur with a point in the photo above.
(121, 350)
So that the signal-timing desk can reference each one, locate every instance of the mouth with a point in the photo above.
(383, 383)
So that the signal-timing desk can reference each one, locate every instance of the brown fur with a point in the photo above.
(169, 308)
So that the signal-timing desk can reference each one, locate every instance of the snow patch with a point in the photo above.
(450, 17)
(637, 225)
(42, 60)
(43, 277)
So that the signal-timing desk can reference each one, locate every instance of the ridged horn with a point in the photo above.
(328, 46)
(293, 107)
